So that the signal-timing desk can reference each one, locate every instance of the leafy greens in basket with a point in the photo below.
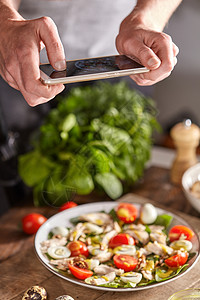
(98, 137)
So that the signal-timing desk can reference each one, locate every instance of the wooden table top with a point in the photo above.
(20, 268)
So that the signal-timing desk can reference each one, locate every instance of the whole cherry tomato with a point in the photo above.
(67, 205)
(121, 239)
(127, 212)
(180, 230)
(78, 248)
(125, 262)
(32, 222)
(177, 260)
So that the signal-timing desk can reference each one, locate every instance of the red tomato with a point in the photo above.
(79, 272)
(67, 205)
(127, 212)
(32, 222)
(125, 262)
(121, 239)
(178, 230)
(177, 259)
(78, 248)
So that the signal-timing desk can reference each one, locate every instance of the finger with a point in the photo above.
(175, 50)
(144, 54)
(50, 37)
(29, 76)
(140, 80)
(34, 100)
(163, 47)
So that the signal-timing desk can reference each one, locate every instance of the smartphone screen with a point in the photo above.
(93, 66)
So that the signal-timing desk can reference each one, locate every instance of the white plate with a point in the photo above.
(62, 219)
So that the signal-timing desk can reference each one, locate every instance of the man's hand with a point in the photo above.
(141, 38)
(20, 44)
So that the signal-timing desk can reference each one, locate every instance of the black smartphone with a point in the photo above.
(91, 69)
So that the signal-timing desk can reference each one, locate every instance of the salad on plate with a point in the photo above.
(126, 247)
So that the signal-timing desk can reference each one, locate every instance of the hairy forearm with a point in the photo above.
(154, 13)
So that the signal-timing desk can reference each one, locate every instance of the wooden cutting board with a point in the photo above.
(23, 270)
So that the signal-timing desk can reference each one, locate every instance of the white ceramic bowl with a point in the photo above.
(189, 178)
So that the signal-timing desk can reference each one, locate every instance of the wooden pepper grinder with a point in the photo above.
(186, 139)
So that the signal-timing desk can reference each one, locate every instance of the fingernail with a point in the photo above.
(60, 65)
(153, 62)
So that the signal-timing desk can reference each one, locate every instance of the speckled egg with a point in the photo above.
(64, 297)
(35, 292)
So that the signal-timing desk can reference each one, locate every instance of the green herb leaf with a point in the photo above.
(110, 184)
(163, 220)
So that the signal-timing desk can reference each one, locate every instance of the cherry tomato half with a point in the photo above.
(121, 239)
(177, 260)
(79, 272)
(78, 248)
(67, 205)
(32, 222)
(178, 230)
(127, 212)
(125, 262)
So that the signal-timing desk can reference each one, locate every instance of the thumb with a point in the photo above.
(146, 56)
(50, 37)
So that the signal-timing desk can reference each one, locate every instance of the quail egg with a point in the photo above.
(148, 213)
(35, 292)
(64, 297)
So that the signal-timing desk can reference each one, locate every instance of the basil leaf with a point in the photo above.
(163, 220)
(34, 167)
(110, 184)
